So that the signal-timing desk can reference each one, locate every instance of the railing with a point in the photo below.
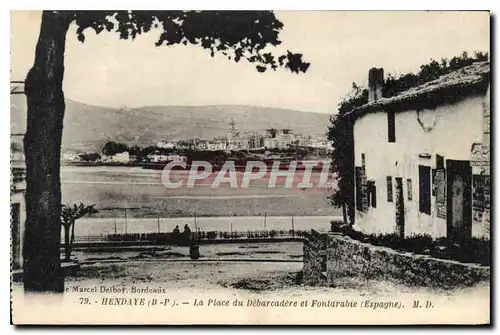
(180, 238)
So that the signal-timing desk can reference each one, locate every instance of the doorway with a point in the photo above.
(459, 201)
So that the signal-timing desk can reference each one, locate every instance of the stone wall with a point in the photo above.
(349, 258)
(315, 259)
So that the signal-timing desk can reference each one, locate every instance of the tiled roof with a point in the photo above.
(452, 86)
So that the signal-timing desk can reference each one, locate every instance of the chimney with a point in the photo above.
(375, 84)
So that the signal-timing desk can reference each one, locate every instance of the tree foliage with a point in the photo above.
(428, 72)
(75, 212)
(235, 34)
(340, 130)
(340, 134)
(69, 214)
(113, 148)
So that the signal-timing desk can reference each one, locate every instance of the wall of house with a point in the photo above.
(481, 169)
(449, 131)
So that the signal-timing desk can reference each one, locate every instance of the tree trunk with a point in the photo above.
(42, 145)
(73, 232)
(67, 246)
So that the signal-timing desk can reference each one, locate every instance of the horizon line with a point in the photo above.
(199, 106)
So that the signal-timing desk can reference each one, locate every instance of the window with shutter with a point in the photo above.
(391, 126)
(372, 193)
(424, 173)
(359, 196)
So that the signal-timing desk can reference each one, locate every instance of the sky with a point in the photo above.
(341, 47)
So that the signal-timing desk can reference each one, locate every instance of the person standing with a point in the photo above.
(176, 235)
(187, 234)
(198, 235)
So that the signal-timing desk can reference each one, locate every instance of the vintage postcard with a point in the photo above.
(250, 167)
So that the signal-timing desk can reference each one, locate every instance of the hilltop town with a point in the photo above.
(271, 140)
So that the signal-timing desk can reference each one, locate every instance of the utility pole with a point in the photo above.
(265, 220)
(158, 222)
(126, 223)
(114, 215)
(195, 221)
(293, 229)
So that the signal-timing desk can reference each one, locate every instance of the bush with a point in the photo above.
(475, 250)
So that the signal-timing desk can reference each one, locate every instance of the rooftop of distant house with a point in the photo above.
(446, 89)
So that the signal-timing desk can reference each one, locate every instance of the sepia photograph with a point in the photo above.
(223, 167)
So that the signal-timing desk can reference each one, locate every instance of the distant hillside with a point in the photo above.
(87, 128)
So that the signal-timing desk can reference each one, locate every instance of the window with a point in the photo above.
(424, 173)
(434, 183)
(410, 189)
(359, 196)
(391, 127)
(372, 192)
(389, 189)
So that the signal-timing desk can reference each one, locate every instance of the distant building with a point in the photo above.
(184, 145)
(271, 143)
(256, 141)
(240, 140)
(70, 157)
(319, 143)
(122, 157)
(237, 143)
(303, 141)
(158, 157)
(280, 139)
(200, 144)
(422, 158)
(217, 144)
(236, 140)
(164, 144)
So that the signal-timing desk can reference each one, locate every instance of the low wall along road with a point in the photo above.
(328, 257)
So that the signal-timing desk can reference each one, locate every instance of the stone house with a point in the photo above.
(422, 157)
